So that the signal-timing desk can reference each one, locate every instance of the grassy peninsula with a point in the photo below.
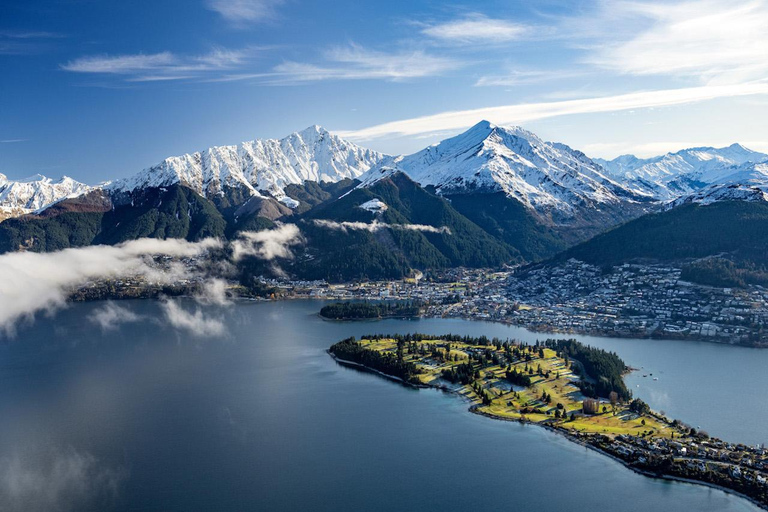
(567, 387)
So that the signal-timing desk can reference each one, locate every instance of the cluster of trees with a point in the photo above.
(518, 378)
(450, 338)
(390, 364)
(484, 394)
(725, 273)
(357, 310)
(605, 369)
(639, 407)
(463, 373)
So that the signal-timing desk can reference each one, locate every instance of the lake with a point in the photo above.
(145, 417)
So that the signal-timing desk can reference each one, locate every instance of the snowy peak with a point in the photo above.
(749, 192)
(34, 193)
(260, 166)
(682, 172)
(745, 182)
(544, 176)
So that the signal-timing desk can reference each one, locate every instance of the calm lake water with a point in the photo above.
(145, 417)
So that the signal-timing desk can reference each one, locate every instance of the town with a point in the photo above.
(574, 297)
(631, 300)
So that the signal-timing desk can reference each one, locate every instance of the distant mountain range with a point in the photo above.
(673, 175)
(488, 196)
(35, 193)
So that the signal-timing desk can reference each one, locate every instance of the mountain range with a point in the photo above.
(677, 174)
(489, 196)
(35, 193)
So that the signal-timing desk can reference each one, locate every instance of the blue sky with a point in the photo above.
(101, 89)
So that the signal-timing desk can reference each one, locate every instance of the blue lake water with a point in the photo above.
(146, 417)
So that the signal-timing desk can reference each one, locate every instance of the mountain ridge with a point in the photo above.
(682, 172)
(546, 177)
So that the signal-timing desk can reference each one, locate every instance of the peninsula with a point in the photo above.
(567, 387)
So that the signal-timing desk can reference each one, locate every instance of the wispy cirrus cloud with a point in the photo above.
(524, 77)
(161, 66)
(245, 12)
(525, 112)
(477, 28)
(14, 42)
(717, 42)
(354, 62)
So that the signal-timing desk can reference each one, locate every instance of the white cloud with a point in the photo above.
(354, 62)
(377, 226)
(477, 28)
(524, 77)
(245, 12)
(213, 291)
(268, 244)
(160, 66)
(110, 316)
(526, 112)
(23, 43)
(121, 63)
(32, 282)
(195, 323)
(722, 42)
(57, 480)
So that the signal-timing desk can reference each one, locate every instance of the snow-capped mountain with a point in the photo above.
(748, 172)
(257, 166)
(683, 172)
(745, 182)
(544, 176)
(724, 192)
(34, 193)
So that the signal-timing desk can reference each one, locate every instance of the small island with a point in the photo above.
(371, 310)
(567, 387)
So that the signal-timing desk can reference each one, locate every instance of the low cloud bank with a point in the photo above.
(377, 226)
(267, 245)
(31, 283)
(34, 282)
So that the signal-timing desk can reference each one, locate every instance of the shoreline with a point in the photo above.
(559, 431)
(554, 332)
(597, 334)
